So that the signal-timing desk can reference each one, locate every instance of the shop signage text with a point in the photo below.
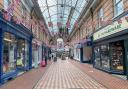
(111, 29)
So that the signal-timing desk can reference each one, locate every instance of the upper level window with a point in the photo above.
(100, 16)
(23, 10)
(6, 4)
(118, 7)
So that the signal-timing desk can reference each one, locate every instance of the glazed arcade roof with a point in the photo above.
(59, 12)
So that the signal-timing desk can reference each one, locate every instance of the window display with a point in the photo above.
(9, 52)
(78, 54)
(22, 52)
(35, 56)
(97, 56)
(117, 55)
(34, 50)
(105, 56)
(26, 53)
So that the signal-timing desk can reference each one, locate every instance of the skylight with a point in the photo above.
(61, 11)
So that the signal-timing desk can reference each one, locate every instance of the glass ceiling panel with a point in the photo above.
(51, 2)
(60, 11)
(74, 2)
(42, 3)
(69, 2)
(59, 1)
(80, 4)
(54, 20)
(46, 14)
(52, 10)
(75, 15)
(43, 8)
(54, 16)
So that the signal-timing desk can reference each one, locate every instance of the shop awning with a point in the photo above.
(83, 42)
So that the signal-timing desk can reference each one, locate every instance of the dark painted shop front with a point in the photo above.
(110, 46)
(15, 49)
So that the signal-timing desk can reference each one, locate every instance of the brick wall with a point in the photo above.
(108, 8)
(1, 4)
(17, 13)
(126, 5)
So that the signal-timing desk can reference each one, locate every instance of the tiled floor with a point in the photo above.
(64, 75)
(108, 80)
(124, 77)
(27, 80)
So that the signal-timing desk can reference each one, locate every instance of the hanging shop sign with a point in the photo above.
(117, 26)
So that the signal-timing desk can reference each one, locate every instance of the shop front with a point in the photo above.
(110, 47)
(87, 50)
(36, 53)
(45, 53)
(15, 49)
(71, 52)
(49, 53)
(78, 52)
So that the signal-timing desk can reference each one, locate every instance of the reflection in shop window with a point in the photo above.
(118, 7)
(35, 53)
(22, 52)
(105, 56)
(117, 55)
(26, 53)
(6, 4)
(97, 56)
(9, 52)
(100, 17)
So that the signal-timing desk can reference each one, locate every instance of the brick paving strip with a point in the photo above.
(27, 80)
(111, 82)
(64, 75)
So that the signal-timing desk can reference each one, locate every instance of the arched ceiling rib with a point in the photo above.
(44, 9)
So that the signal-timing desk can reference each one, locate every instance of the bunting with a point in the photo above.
(59, 24)
(9, 13)
(68, 24)
(50, 24)
(76, 24)
(126, 18)
(119, 21)
(18, 21)
(17, 2)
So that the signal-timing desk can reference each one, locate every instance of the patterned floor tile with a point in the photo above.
(64, 75)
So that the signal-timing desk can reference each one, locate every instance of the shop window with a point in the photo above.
(97, 56)
(78, 53)
(26, 53)
(117, 55)
(35, 53)
(22, 52)
(101, 16)
(105, 62)
(9, 52)
(118, 7)
(24, 12)
(6, 4)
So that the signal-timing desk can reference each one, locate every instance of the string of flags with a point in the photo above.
(89, 24)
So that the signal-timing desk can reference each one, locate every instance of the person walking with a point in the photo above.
(46, 59)
(55, 57)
